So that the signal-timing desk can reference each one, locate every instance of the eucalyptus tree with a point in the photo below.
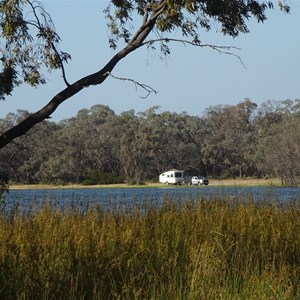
(282, 151)
(230, 138)
(151, 120)
(175, 141)
(273, 118)
(30, 42)
(193, 141)
(243, 136)
(177, 145)
(13, 156)
(138, 147)
(102, 146)
(64, 165)
(270, 112)
(98, 131)
(21, 160)
(212, 151)
(41, 145)
(85, 142)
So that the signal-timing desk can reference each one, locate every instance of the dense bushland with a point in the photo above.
(98, 146)
(202, 249)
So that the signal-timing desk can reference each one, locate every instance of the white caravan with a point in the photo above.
(172, 176)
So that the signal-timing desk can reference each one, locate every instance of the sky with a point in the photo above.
(190, 80)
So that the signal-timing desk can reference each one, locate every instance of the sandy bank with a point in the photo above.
(212, 182)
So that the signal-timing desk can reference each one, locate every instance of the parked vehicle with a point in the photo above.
(172, 176)
(196, 180)
(199, 180)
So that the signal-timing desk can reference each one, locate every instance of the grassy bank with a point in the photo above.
(216, 249)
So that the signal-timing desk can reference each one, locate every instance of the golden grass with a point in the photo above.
(204, 249)
(246, 182)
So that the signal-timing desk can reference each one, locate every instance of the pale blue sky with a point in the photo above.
(191, 79)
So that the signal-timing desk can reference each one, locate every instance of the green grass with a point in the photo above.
(205, 249)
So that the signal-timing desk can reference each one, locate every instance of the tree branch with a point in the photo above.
(92, 79)
(220, 49)
(137, 84)
(40, 27)
(138, 40)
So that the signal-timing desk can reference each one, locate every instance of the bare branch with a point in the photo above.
(40, 27)
(61, 65)
(220, 49)
(137, 84)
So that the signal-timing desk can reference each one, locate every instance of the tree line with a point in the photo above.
(100, 146)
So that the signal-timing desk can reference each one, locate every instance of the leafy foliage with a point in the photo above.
(186, 16)
(95, 177)
(284, 159)
(31, 44)
(227, 141)
(28, 42)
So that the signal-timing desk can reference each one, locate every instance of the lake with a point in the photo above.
(116, 198)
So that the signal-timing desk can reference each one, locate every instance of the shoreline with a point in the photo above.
(212, 182)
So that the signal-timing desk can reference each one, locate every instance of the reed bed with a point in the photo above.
(201, 249)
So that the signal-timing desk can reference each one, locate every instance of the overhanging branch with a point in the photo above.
(137, 84)
(138, 40)
(41, 28)
(220, 49)
(72, 89)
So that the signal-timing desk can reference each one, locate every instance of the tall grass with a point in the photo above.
(204, 249)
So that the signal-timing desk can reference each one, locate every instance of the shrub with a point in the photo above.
(95, 177)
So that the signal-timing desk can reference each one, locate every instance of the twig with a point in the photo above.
(137, 84)
(39, 26)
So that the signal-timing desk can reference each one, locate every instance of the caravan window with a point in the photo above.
(178, 174)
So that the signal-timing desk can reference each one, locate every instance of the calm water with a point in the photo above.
(125, 197)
